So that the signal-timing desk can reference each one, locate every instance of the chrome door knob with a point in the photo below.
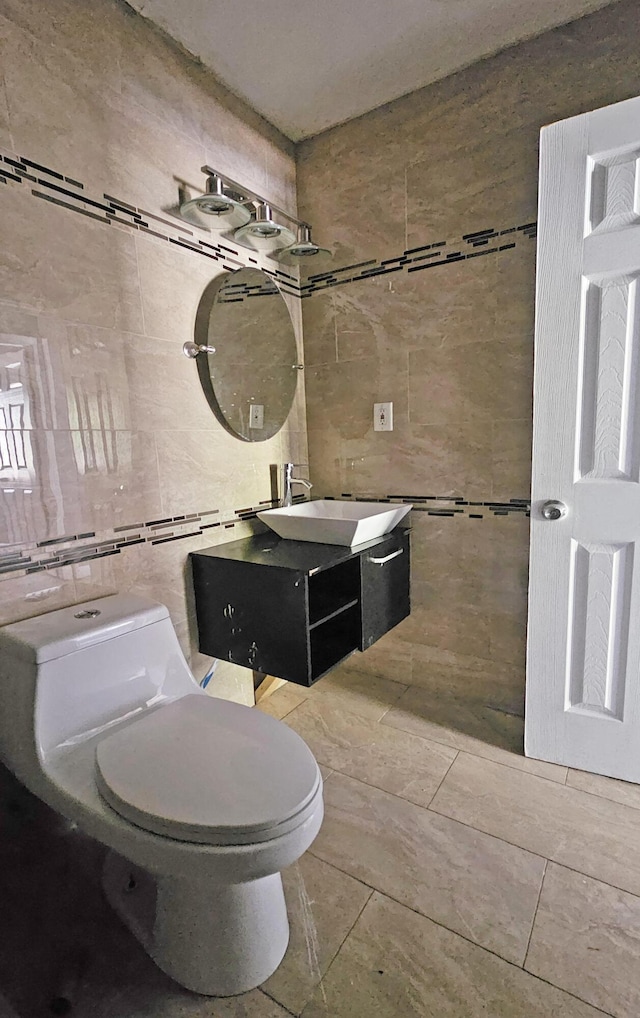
(554, 510)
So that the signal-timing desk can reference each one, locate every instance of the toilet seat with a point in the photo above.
(208, 771)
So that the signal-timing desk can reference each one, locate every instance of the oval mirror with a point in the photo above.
(250, 380)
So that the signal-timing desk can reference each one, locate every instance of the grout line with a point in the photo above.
(541, 777)
(396, 795)
(480, 830)
(323, 975)
(443, 779)
(535, 913)
(456, 933)
(139, 281)
(531, 851)
(599, 795)
(273, 999)
(498, 763)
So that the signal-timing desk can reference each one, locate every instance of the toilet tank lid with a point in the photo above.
(62, 632)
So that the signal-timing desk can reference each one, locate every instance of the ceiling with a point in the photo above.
(307, 65)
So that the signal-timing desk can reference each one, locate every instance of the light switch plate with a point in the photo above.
(383, 416)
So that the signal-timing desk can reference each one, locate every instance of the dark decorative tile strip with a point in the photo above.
(72, 549)
(417, 259)
(120, 204)
(67, 205)
(457, 506)
(57, 552)
(176, 537)
(41, 168)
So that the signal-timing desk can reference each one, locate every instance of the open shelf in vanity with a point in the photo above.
(295, 609)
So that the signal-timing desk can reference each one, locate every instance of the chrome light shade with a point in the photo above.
(304, 250)
(215, 210)
(264, 233)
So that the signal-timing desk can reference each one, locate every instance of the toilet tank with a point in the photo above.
(70, 673)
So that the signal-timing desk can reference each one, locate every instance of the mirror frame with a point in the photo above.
(202, 337)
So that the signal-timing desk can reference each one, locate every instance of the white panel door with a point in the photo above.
(583, 656)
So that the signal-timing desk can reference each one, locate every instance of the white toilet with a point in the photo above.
(201, 801)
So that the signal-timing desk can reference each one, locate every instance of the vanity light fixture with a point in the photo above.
(216, 209)
(263, 233)
(229, 206)
(302, 248)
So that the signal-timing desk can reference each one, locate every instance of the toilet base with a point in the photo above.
(214, 939)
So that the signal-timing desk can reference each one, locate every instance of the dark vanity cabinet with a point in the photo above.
(295, 609)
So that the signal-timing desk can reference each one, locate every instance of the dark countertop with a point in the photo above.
(302, 556)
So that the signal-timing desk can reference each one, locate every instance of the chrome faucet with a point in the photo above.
(288, 480)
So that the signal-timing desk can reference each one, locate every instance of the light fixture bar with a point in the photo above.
(245, 192)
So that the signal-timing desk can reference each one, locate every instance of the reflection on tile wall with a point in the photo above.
(111, 461)
(441, 170)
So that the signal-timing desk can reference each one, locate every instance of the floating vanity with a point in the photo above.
(294, 609)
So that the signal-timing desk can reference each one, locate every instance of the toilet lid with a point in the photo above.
(207, 770)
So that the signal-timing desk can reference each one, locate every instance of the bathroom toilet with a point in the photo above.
(201, 802)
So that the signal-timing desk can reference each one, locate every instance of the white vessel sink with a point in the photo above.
(325, 521)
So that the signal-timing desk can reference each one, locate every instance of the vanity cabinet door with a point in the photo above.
(252, 616)
(384, 581)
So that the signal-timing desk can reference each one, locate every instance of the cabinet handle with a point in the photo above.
(387, 558)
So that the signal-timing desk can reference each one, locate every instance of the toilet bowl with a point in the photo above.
(201, 802)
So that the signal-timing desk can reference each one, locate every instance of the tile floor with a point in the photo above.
(452, 878)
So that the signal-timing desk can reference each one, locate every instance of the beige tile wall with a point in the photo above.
(452, 346)
(118, 431)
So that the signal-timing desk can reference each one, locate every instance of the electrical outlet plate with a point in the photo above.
(383, 416)
(256, 415)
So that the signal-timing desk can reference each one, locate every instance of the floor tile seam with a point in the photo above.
(599, 795)
(598, 880)
(531, 774)
(480, 830)
(569, 993)
(352, 713)
(535, 914)
(455, 933)
(531, 851)
(444, 776)
(325, 696)
(372, 891)
(476, 756)
(274, 1000)
(557, 986)
(292, 709)
(318, 696)
(557, 784)
(396, 795)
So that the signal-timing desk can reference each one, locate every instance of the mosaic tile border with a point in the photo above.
(70, 194)
(56, 552)
(447, 505)
(428, 256)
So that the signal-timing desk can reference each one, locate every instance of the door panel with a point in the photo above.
(598, 623)
(583, 682)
